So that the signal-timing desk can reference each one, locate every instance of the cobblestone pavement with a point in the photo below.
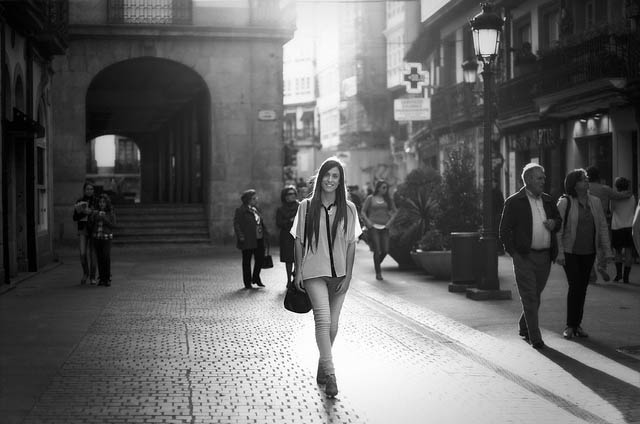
(176, 340)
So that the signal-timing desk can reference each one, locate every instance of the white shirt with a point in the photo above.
(622, 213)
(316, 262)
(540, 235)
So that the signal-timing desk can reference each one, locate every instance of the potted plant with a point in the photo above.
(416, 201)
(457, 210)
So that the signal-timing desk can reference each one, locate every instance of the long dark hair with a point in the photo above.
(386, 196)
(312, 222)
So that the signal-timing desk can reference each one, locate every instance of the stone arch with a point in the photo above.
(164, 107)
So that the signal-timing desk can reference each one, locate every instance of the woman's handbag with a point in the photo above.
(267, 262)
(296, 301)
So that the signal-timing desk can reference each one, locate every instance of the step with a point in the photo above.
(160, 240)
(141, 224)
(161, 231)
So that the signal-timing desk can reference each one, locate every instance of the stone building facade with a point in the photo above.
(196, 84)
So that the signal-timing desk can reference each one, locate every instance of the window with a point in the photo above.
(549, 26)
(42, 199)
(522, 31)
(449, 61)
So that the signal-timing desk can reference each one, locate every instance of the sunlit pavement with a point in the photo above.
(177, 340)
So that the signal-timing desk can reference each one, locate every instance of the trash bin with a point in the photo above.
(466, 260)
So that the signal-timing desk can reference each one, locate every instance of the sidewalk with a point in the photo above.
(176, 339)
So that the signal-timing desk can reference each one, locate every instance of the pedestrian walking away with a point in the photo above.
(606, 194)
(102, 220)
(583, 232)
(378, 211)
(252, 237)
(285, 215)
(326, 229)
(82, 209)
(529, 222)
(622, 213)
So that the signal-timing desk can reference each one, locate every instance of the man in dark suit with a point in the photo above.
(529, 222)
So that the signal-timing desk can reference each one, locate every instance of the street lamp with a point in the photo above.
(486, 27)
(470, 71)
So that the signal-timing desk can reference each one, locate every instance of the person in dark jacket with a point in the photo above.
(285, 215)
(529, 222)
(102, 220)
(252, 237)
(82, 209)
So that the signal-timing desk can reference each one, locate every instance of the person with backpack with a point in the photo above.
(584, 232)
(529, 222)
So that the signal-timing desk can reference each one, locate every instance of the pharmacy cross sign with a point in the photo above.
(415, 79)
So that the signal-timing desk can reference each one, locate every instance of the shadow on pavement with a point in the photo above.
(620, 394)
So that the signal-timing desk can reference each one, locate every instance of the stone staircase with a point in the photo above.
(160, 223)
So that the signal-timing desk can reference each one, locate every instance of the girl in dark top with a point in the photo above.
(83, 208)
(285, 215)
(102, 222)
(377, 212)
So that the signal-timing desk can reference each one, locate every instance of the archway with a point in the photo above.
(162, 107)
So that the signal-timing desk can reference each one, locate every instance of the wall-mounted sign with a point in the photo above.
(412, 109)
(415, 78)
(267, 115)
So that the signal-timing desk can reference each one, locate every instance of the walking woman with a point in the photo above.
(584, 232)
(83, 208)
(285, 215)
(377, 211)
(326, 229)
(622, 212)
(102, 221)
(252, 237)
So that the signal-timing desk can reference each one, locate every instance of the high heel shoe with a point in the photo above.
(331, 388)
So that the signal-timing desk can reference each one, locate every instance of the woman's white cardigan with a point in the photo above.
(566, 238)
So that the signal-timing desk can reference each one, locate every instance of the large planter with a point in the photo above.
(436, 263)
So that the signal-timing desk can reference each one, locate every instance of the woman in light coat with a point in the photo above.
(584, 231)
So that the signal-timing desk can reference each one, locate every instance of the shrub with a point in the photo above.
(416, 200)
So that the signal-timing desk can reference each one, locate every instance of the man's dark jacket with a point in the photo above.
(517, 223)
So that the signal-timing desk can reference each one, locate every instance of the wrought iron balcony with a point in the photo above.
(455, 105)
(515, 96)
(606, 55)
(150, 12)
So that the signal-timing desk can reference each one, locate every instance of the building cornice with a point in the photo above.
(114, 31)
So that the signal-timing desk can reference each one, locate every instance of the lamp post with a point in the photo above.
(486, 27)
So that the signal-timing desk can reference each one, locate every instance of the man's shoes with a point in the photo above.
(524, 335)
(538, 344)
(579, 332)
(379, 276)
(258, 283)
(568, 333)
(604, 275)
(331, 388)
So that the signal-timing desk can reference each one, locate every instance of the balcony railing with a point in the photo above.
(455, 105)
(150, 12)
(603, 56)
(515, 96)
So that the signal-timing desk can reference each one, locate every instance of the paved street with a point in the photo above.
(176, 340)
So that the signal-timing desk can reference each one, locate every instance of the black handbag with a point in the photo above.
(267, 262)
(296, 301)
